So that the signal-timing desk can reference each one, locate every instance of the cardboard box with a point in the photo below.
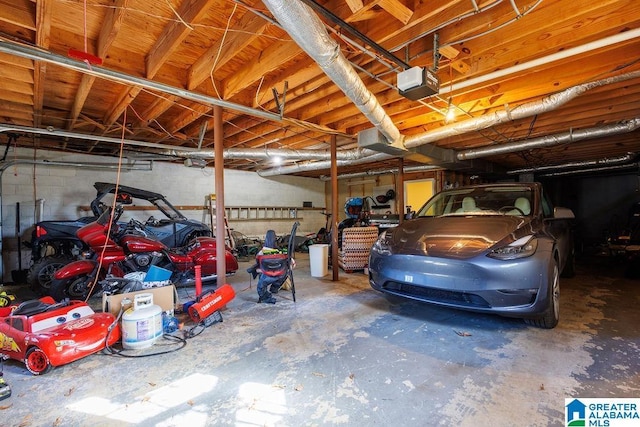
(166, 297)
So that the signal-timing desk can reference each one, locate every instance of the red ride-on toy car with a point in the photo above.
(43, 334)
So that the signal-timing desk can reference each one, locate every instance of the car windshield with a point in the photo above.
(495, 200)
(139, 204)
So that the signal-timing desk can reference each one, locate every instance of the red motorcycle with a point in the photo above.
(127, 249)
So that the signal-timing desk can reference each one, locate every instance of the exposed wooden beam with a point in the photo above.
(366, 15)
(190, 12)
(354, 5)
(25, 75)
(270, 59)
(366, 8)
(19, 13)
(43, 34)
(190, 113)
(155, 109)
(125, 98)
(110, 28)
(398, 10)
(248, 29)
(81, 96)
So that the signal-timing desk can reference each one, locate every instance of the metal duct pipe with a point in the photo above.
(192, 153)
(610, 161)
(601, 169)
(42, 55)
(551, 140)
(522, 111)
(50, 131)
(89, 165)
(410, 169)
(525, 110)
(304, 26)
(323, 164)
(263, 153)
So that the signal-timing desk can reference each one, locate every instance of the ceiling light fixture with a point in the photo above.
(450, 115)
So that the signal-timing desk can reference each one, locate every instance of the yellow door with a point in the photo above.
(416, 193)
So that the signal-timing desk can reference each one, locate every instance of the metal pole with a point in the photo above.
(334, 209)
(218, 165)
(400, 189)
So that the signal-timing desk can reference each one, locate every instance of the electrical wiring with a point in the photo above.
(94, 281)
(215, 61)
(175, 12)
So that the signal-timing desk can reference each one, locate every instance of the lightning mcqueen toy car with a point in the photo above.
(43, 334)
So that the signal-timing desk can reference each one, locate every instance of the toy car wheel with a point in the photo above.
(37, 361)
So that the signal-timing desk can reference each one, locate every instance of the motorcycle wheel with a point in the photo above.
(75, 288)
(41, 272)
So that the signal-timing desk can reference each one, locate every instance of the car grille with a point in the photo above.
(437, 295)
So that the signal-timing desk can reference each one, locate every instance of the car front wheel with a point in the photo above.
(549, 319)
(37, 361)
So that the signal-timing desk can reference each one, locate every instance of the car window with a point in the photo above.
(443, 203)
(547, 207)
(15, 323)
(507, 200)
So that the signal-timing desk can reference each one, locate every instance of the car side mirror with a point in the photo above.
(563, 213)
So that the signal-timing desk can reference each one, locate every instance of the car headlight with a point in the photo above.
(61, 343)
(382, 246)
(521, 248)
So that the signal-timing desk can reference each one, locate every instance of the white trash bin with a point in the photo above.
(319, 259)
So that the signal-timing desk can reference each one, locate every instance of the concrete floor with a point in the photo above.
(344, 354)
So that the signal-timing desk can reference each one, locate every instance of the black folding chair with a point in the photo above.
(290, 255)
(276, 265)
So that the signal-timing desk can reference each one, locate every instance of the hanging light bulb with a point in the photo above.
(451, 114)
(277, 160)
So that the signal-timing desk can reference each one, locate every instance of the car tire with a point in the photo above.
(549, 319)
(37, 361)
(41, 272)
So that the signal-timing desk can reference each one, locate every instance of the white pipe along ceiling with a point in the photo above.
(308, 31)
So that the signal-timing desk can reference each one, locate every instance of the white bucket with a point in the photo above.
(319, 259)
(142, 323)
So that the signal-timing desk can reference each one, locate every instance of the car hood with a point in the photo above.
(457, 236)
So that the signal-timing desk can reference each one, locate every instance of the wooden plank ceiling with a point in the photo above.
(236, 51)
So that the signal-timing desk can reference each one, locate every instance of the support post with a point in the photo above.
(400, 189)
(334, 208)
(218, 143)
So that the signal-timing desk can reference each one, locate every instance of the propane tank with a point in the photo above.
(142, 323)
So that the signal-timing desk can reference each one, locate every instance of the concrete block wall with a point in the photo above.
(61, 190)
